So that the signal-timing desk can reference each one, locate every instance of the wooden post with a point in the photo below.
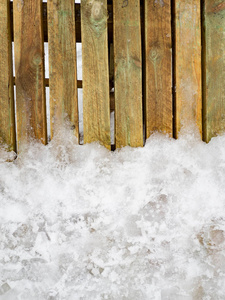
(62, 64)
(188, 65)
(7, 117)
(128, 73)
(96, 104)
(29, 68)
(158, 67)
(214, 69)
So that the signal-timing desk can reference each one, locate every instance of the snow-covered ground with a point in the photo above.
(81, 222)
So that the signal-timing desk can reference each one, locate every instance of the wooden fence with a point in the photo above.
(161, 61)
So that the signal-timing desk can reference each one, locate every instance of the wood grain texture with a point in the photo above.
(214, 71)
(96, 105)
(29, 68)
(62, 65)
(128, 73)
(188, 65)
(79, 83)
(7, 118)
(78, 23)
(158, 67)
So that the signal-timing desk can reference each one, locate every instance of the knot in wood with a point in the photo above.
(20, 5)
(56, 3)
(154, 54)
(160, 2)
(37, 59)
(97, 11)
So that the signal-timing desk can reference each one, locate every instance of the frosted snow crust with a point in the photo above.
(80, 222)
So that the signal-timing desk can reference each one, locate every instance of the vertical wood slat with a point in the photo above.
(29, 69)
(214, 71)
(128, 73)
(7, 118)
(158, 67)
(188, 65)
(62, 64)
(96, 105)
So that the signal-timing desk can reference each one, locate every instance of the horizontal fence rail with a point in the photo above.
(158, 65)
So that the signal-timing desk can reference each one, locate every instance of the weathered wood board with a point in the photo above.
(96, 104)
(188, 75)
(7, 118)
(158, 67)
(77, 20)
(62, 65)
(128, 73)
(29, 72)
(214, 69)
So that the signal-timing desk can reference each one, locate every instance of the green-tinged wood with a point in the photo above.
(62, 64)
(78, 25)
(128, 73)
(214, 69)
(96, 106)
(7, 118)
(79, 83)
(188, 65)
(158, 67)
(29, 68)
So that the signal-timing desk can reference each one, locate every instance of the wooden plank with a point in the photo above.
(158, 67)
(29, 68)
(96, 106)
(79, 83)
(7, 118)
(62, 64)
(188, 65)
(78, 24)
(128, 74)
(214, 70)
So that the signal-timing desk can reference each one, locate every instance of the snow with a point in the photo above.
(81, 222)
